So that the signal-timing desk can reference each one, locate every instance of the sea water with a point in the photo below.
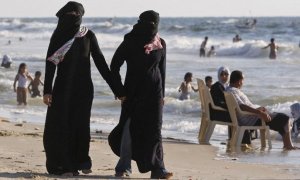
(271, 83)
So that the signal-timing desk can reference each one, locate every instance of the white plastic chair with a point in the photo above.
(207, 125)
(237, 130)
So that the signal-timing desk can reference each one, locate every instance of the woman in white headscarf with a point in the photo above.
(218, 88)
(6, 61)
(295, 111)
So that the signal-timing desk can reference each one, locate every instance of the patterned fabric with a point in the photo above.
(153, 45)
(241, 98)
(59, 55)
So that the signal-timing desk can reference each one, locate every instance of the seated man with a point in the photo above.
(276, 121)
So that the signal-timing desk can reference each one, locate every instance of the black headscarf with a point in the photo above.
(146, 28)
(68, 25)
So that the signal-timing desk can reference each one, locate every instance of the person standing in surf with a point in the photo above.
(203, 46)
(138, 134)
(67, 127)
(273, 49)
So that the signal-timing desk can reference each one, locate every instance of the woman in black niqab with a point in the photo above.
(138, 134)
(67, 127)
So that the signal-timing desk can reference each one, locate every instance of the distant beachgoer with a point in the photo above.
(237, 38)
(253, 23)
(20, 39)
(250, 23)
(276, 121)
(22, 78)
(211, 52)
(186, 87)
(273, 49)
(208, 81)
(295, 111)
(202, 47)
(8, 42)
(6, 61)
(33, 86)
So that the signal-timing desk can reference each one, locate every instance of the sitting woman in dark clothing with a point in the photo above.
(217, 95)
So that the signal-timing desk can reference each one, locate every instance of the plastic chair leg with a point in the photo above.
(263, 137)
(240, 134)
(210, 130)
(202, 131)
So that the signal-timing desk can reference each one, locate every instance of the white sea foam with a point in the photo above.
(267, 82)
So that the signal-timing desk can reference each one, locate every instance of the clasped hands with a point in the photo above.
(264, 114)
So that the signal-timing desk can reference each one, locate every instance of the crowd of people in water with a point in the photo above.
(212, 52)
(137, 136)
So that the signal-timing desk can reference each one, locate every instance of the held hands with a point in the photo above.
(123, 99)
(47, 99)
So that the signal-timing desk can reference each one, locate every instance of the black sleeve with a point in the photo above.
(49, 74)
(162, 66)
(217, 95)
(116, 63)
(100, 61)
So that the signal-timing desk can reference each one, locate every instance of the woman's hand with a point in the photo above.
(47, 99)
(123, 99)
(162, 101)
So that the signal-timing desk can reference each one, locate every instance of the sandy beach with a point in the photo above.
(22, 157)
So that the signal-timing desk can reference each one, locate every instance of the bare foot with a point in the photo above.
(291, 148)
(168, 175)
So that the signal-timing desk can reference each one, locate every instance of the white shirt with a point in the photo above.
(22, 81)
(241, 98)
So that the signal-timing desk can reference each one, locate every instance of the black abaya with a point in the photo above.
(67, 127)
(144, 88)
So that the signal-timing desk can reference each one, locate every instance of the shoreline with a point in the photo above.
(22, 157)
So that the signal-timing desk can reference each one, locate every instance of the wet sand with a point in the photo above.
(22, 157)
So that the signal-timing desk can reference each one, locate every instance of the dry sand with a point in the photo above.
(22, 157)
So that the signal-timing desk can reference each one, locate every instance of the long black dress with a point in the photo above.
(67, 127)
(217, 94)
(144, 88)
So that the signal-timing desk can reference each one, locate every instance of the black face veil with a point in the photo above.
(69, 21)
(147, 26)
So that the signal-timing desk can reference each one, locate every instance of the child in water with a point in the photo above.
(22, 78)
(186, 87)
(33, 87)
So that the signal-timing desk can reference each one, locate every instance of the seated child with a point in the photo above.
(33, 87)
(186, 87)
(208, 81)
